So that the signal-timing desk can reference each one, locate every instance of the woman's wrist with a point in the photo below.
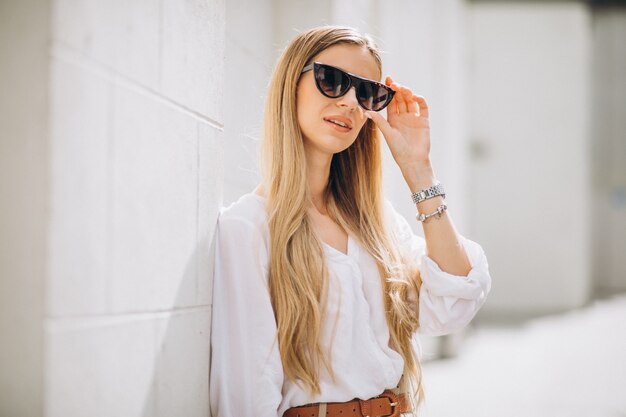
(419, 176)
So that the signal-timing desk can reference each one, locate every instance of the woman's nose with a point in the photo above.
(349, 99)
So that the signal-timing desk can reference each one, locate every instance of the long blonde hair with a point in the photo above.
(298, 276)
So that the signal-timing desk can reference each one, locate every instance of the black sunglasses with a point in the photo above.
(333, 82)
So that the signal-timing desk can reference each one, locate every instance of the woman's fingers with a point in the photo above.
(397, 103)
(381, 123)
(421, 102)
(393, 105)
(411, 104)
(415, 101)
(392, 108)
(405, 101)
(399, 97)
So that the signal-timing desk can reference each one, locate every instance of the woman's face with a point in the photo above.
(314, 109)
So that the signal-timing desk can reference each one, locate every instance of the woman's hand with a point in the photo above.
(406, 129)
(407, 132)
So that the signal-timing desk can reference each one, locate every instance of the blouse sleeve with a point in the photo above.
(246, 374)
(447, 302)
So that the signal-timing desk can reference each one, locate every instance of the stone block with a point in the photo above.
(121, 35)
(182, 364)
(155, 177)
(192, 55)
(78, 240)
(100, 367)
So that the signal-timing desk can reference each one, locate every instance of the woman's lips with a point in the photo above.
(337, 127)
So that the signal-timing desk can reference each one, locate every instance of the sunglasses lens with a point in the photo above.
(372, 96)
(331, 81)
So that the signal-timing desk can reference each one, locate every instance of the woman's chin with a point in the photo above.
(332, 144)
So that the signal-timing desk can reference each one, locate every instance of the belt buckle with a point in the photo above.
(394, 401)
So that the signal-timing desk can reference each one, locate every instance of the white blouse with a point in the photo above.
(246, 376)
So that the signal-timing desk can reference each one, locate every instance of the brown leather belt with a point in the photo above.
(387, 404)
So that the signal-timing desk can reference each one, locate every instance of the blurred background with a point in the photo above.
(125, 126)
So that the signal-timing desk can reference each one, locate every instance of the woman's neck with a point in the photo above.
(318, 172)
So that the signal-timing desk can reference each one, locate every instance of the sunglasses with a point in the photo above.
(333, 82)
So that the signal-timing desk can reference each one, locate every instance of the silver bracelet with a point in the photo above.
(423, 217)
(427, 193)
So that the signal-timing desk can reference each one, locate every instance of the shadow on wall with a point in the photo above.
(180, 379)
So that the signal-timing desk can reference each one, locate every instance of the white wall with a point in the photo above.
(249, 61)
(131, 152)
(529, 110)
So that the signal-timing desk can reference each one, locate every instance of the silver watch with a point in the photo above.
(427, 193)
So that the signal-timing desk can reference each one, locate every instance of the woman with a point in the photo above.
(320, 285)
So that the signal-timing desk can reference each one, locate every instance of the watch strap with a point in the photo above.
(425, 194)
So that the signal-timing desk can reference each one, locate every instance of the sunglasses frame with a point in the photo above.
(354, 81)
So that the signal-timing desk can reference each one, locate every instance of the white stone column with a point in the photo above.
(250, 56)
(125, 204)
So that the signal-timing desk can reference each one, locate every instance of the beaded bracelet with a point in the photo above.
(423, 217)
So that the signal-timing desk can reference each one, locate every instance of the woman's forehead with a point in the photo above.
(351, 58)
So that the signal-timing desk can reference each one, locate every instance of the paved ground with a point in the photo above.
(571, 365)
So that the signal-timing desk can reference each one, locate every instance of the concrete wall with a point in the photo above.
(250, 54)
(529, 110)
(136, 135)
(117, 184)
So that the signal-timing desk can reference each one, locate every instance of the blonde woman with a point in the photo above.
(320, 286)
